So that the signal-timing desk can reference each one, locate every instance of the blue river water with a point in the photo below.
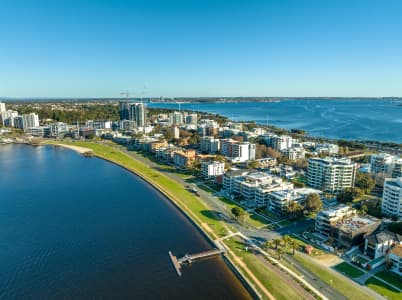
(82, 228)
(352, 119)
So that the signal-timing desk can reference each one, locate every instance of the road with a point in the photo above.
(320, 285)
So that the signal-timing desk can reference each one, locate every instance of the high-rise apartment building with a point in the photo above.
(391, 204)
(331, 174)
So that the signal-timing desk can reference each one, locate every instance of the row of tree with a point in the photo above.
(281, 245)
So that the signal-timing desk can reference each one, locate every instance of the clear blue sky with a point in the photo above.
(78, 48)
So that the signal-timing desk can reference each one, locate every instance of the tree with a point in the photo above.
(268, 244)
(295, 245)
(220, 158)
(252, 164)
(365, 182)
(239, 213)
(262, 151)
(280, 251)
(286, 240)
(313, 202)
(277, 242)
(292, 208)
(396, 227)
(364, 209)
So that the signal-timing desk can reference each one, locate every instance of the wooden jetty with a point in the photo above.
(189, 258)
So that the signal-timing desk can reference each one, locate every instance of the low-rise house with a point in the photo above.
(327, 148)
(380, 243)
(395, 257)
(266, 163)
(294, 153)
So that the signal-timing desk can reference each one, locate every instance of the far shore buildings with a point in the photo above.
(133, 111)
(330, 174)
(391, 204)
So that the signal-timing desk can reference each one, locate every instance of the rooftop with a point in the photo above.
(397, 250)
(355, 223)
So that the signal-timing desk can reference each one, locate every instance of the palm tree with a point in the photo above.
(277, 242)
(295, 245)
(268, 244)
(286, 239)
(280, 251)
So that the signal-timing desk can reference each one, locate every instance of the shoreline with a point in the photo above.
(187, 213)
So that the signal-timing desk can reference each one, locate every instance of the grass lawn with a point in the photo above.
(391, 277)
(271, 280)
(285, 222)
(348, 270)
(316, 251)
(383, 289)
(253, 220)
(269, 214)
(341, 284)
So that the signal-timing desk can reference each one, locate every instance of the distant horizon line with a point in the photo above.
(200, 97)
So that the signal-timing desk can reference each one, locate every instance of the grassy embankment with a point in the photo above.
(341, 284)
(383, 289)
(270, 279)
(348, 270)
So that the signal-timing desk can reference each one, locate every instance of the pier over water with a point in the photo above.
(189, 258)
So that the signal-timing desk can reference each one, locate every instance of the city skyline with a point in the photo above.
(200, 49)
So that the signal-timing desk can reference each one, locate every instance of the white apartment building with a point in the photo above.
(210, 144)
(329, 216)
(176, 118)
(191, 119)
(237, 151)
(294, 153)
(8, 117)
(382, 163)
(397, 169)
(2, 107)
(331, 174)
(56, 129)
(278, 201)
(391, 204)
(27, 121)
(327, 148)
(253, 188)
(278, 143)
(229, 179)
(243, 151)
(212, 169)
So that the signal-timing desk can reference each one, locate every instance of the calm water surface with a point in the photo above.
(82, 228)
(363, 119)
